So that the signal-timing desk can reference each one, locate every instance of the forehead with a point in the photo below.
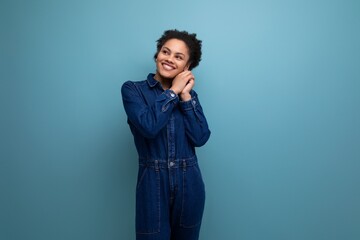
(177, 46)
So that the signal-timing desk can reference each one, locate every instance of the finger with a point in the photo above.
(192, 77)
(186, 76)
(187, 73)
(184, 73)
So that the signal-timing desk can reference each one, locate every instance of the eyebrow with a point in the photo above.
(175, 53)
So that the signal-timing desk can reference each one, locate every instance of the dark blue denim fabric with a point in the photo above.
(170, 192)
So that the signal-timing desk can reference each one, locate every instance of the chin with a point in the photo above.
(165, 74)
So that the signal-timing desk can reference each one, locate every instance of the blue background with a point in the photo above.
(279, 83)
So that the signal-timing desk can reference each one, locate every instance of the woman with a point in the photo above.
(167, 121)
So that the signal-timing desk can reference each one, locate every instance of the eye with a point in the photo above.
(179, 57)
(165, 52)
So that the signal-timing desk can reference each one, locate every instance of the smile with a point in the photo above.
(168, 67)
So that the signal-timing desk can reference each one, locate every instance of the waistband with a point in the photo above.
(165, 163)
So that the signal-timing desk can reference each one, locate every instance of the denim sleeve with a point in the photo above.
(149, 119)
(196, 125)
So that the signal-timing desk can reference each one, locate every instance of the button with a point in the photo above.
(194, 102)
(172, 94)
(171, 164)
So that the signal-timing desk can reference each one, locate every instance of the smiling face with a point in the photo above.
(172, 59)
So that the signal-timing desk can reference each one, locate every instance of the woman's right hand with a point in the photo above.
(180, 81)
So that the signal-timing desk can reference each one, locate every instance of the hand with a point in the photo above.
(181, 80)
(185, 93)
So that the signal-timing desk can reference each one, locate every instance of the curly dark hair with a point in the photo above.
(190, 40)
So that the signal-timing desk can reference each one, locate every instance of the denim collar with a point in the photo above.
(151, 80)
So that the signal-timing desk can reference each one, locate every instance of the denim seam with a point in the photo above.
(141, 177)
(182, 207)
(158, 199)
(158, 206)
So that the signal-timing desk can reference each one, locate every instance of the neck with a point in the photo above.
(165, 82)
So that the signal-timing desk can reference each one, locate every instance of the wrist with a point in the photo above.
(185, 96)
(175, 91)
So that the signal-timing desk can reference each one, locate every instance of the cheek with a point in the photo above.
(182, 65)
(158, 63)
(178, 63)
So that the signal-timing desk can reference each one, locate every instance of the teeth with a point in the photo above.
(167, 67)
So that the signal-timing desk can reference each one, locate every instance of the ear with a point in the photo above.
(187, 66)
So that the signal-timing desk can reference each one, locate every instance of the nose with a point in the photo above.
(170, 59)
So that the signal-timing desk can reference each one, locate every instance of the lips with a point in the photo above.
(168, 67)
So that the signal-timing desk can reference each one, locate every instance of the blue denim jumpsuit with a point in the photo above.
(170, 193)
